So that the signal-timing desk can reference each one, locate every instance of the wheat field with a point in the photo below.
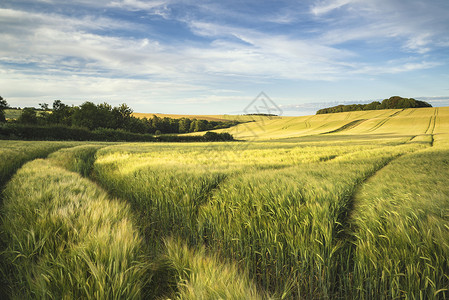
(341, 206)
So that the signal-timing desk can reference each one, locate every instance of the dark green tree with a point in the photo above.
(3, 103)
(61, 114)
(122, 115)
(104, 117)
(28, 116)
(86, 116)
(44, 106)
(3, 106)
(200, 125)
(184, 125)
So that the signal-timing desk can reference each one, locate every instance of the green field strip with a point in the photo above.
(194, 260)
(79, 159)
(14, 154)
(344, 239)
(66, 239)
(347, 210)
(196, 265)
(400, 229)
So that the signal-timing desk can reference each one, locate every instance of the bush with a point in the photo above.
(65, 133)
(213, 136)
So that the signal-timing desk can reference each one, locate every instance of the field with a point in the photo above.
(339, 206)
(220, 118)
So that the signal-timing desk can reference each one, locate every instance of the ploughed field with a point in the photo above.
(343, 206)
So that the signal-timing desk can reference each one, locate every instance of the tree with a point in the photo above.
(136, 125)
(28, 116)
(394, 102)
(184, 125)
(199, 125)
(122, 115)
(86, 116)
(155, 123)
(104, 117)
(61, 114)
(44, 106)
(3, 105)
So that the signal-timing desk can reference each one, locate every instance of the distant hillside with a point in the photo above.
(394, 123)
(394, 102)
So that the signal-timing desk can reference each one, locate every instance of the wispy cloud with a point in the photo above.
(153, 6)
(326, 6)
(419, 25)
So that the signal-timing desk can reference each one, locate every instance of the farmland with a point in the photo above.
(349, 205)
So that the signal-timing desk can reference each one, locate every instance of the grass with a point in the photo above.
(401, 228)
(79, 159)
(13, 113)
(263, 207)
(200, 275)
(66, 239)
(14, 154)
(283, 224)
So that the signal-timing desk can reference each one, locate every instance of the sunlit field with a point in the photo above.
(339, 206)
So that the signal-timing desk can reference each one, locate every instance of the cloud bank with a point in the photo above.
(162, 54)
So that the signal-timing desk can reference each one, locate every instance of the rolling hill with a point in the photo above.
(389, 123)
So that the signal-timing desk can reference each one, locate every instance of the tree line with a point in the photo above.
(3, 105)
(91, 116)
(394, 102)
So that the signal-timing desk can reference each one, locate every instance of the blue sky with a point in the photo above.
(215, 57)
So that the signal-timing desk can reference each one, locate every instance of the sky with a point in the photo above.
(216, 57)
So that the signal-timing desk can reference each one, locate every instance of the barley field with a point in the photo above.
(341, 206)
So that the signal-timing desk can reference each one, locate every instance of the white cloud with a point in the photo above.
(139, 5)
(326, 6)
(77, 89)
(55, 54)
(419, 25)
(394, 67)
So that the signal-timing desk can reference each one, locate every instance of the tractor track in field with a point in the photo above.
(431, 126)
(4, 180)
(382, 122)
(345, 229)
(386, 163)
(410, 111)
(307, 123)
(345, 213)
(347, 126)
(4, 289)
